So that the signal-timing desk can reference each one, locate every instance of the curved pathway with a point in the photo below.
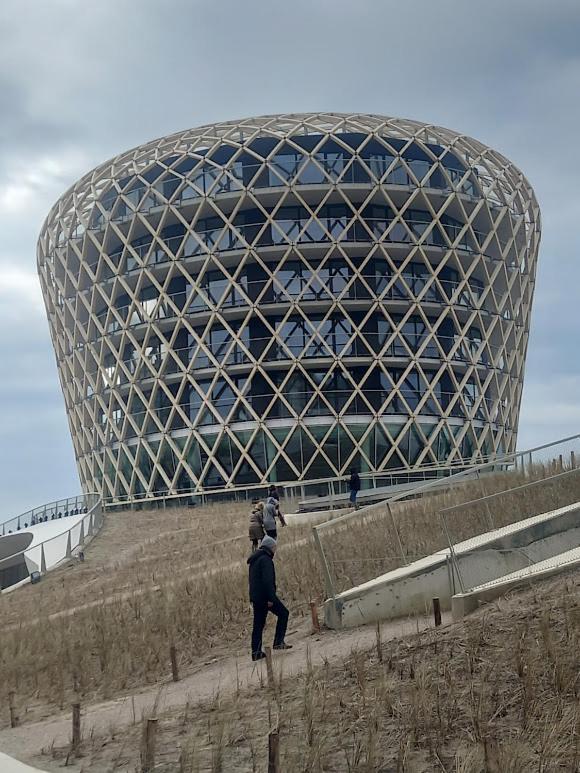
(224, 675)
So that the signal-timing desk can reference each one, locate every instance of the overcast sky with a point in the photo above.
(80, 82)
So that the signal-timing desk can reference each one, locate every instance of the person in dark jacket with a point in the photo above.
(262, 579)
(354, 487)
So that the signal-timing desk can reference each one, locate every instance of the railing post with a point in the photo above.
(82, 534)
(42, 560)
(485, 502)
(68, 545)
(328, 583)
(454, 563)
(399, 543)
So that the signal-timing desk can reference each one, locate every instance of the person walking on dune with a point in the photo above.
(256, 530)
(354, 487)
(271, 512)
(262, 581)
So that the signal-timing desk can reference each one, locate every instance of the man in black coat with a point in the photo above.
(354, 487)
(262, 577)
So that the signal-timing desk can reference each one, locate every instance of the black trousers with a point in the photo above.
(272, 533)
(260, 614)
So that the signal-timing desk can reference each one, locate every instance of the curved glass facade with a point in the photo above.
(287, 297)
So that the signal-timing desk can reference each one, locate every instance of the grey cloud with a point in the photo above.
(96, 79)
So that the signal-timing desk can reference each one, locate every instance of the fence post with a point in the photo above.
(76, 726)
(270, 668)
(82, 534)
(437, 612)
(329, 585)
(12, 707)
(274, 751)
(314, 615)
(379, 642)
(174, 669)
(572, 460)
(42, 560)
(68, 545)
(148, 750)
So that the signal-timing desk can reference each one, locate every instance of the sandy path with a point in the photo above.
(224, 676)
(116, 598)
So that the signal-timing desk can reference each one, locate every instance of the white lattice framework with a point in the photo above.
(286, 297)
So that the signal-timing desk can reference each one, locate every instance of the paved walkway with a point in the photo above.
(10, 765)
(223, 676)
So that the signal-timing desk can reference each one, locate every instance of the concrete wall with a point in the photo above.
(411, 589)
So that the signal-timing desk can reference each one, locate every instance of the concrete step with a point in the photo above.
(464, 603)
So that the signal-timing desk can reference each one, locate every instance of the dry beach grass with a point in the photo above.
(152, 579)
(498, 693)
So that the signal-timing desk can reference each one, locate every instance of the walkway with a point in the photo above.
(10, 765)
(225, 676)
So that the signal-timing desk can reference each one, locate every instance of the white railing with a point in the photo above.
(62, 508)
(45, 555)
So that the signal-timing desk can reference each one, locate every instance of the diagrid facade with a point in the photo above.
(286, 297)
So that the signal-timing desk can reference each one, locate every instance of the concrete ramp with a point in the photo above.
(464, 603)
(482, 559)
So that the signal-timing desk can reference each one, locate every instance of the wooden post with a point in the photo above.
(379, 642)
(173, 656)
(314, 614)
(572, 460)
(437, 611)
(274, 751)
(13, 714)
(560, 462)
(148, 750)
(269, 667)
(76, 726)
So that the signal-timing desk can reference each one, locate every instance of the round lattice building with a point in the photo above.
(287, 297)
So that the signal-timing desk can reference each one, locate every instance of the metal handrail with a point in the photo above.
(500, 460)
(444, 511)
(54, 536)
(504, 460)
(95, 521)
(287, 488)
(48, 509)
(498, 494)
